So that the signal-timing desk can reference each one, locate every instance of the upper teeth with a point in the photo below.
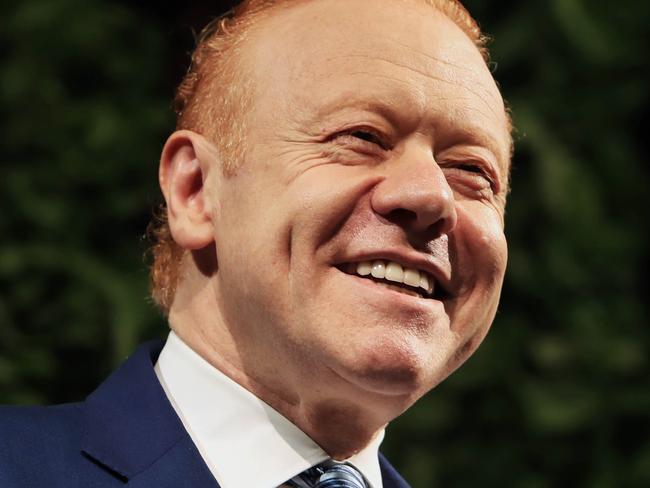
(392, 271)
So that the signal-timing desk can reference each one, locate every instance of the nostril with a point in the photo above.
(438, 229)
(401, 217)
(432, 227)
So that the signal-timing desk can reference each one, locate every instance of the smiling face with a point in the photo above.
(360, 244)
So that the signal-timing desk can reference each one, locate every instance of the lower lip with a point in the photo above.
(394, 295)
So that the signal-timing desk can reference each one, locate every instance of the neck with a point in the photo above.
(341, 429)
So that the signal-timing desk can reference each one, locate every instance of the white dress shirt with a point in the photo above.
(244, 442)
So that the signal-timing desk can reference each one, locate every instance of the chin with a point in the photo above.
(391, 369)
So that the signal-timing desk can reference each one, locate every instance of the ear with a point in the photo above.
(185, 163)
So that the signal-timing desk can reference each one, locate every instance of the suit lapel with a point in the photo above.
(132, 430)
(390, 477)
(180, 467)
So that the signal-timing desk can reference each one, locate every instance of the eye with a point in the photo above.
(474, 172)
(472, 168)
(364, 136)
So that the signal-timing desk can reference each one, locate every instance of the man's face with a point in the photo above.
(376, 135)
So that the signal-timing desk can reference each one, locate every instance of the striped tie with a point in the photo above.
(330, 474)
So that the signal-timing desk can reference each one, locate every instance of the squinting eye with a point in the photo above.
(366, 136)
(472, 168)
(475, 171)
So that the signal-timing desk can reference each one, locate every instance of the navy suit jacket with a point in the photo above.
(126, 432)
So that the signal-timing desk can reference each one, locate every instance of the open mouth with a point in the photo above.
(399, 278)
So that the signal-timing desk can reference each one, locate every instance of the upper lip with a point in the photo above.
(441, 274)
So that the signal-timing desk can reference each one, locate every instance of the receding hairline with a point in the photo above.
(231, 73)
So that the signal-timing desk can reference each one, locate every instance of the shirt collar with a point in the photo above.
(243, 440)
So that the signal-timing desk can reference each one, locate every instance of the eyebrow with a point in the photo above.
(475, 134)
(374, 104)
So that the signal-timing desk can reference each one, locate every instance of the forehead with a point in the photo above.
(398, 57)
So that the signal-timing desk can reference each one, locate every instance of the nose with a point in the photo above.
(416, 195)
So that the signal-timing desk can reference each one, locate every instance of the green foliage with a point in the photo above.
(84, 118)
(559, 392)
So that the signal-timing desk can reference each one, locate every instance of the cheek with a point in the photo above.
(325, 198)
(251, 242)
(481, 246)
(480, 255)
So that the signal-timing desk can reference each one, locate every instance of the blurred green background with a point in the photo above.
(558, 395)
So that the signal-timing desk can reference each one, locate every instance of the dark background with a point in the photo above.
(558, 395)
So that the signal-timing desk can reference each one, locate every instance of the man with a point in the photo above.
(333, 248)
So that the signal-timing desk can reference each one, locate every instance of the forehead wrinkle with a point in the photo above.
(494, 94)
(431, 57)
(383, 76)
(392, 107)
(473, 51)
(420, 98)
(453, 33)
(430, 76)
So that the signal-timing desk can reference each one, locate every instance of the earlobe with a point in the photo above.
(183, 175)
